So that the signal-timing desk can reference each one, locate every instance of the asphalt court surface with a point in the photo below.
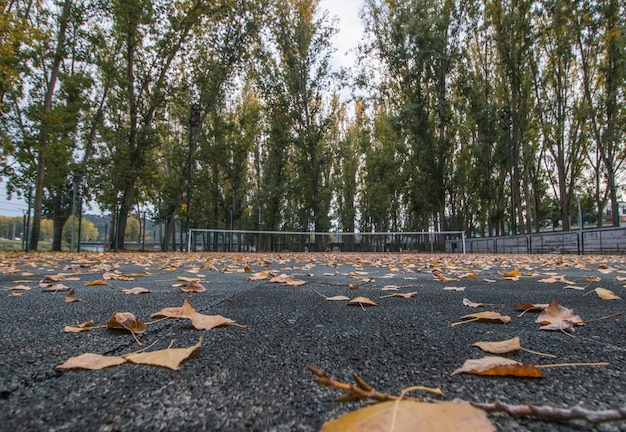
(256, 378)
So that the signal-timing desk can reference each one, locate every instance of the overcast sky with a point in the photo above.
(350, 32)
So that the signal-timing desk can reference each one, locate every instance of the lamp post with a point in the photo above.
(506, 123)
(194, 120)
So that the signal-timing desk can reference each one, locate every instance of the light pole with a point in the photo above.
(506, 123)
(194, 120)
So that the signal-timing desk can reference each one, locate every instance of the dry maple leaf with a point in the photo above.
(192, 287)
(498, 366)
(91, 361)
(557, 317)
(413, 416)
(126, 320)
(170, 357)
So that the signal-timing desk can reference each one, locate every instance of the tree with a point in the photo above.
(601, 40)
(416, 42)
(302, 41)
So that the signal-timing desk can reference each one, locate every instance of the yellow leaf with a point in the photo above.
(412, 416)
(606, 294)
(91, 361)
(512, 274)
(169, 357)
(96, 282)
(487, 316)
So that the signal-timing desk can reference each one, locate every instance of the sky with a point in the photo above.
(350, 32)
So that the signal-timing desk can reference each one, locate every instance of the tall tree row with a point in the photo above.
(487, 116)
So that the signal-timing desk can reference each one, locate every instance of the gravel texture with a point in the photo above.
(256, 378)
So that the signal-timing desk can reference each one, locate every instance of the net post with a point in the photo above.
(189, 240)
(463, 240)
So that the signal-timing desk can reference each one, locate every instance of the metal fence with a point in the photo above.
(592, 241)
(281, 241)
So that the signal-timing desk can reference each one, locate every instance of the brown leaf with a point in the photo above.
(531, 307)
(557, 317)
(169, 357)
(361, 301)
(193, 286)
(295, 282)
(413, 416)
(337, 298)
(187, 279)
(498, 366)
(91, 361)
(171, 312)
(205, 322)
(126, 320)
(71, 297)
(501, 347)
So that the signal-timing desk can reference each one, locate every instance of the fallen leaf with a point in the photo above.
(91, 361)
(18, 288)
(401, 295)
(413, 416)
(483, 316)
(295, 282)
(126, 320)
(71, 297)
(96, 282)
(468, 302)
(498, 366)
(557, 317)
(56, 288)
(450, 288)
(193, 286)
(169, 357)
(337, 298)
(204, 322)
(512, 274)
(188, 279)
(258, 276)
(606, 294)
(136, 290)
(501, 347)
(79, 327)
(361, 301)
